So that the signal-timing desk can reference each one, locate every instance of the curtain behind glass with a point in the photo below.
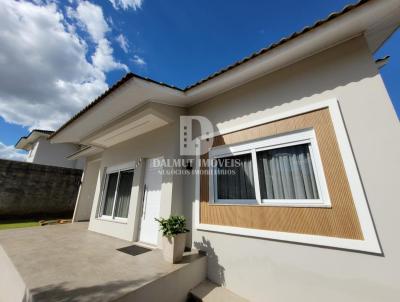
(124, 194)
(239, 184)
(287, 173)
(110, 193)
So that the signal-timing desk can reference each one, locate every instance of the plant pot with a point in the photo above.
(174, 247)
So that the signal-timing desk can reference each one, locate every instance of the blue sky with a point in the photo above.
(177, 42)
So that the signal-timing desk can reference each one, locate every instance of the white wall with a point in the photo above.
(45, 153)
(266, 270)
(84, 201)
(32, 153)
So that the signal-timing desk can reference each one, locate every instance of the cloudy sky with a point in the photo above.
(57, 56)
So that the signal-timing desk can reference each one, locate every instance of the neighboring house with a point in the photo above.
(41, 151)
(312, 212)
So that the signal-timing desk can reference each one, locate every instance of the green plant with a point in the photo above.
(172, 226)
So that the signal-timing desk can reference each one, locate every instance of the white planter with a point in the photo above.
(174, 247)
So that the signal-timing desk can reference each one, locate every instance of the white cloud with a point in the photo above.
(123, 43)
(103, 57)
(45, 76)
(92, 18)
(127, 4)
(9, 152)
(138, 60)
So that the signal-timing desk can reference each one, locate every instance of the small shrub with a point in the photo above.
(172, 226)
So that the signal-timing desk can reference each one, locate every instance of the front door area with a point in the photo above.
(151, 203)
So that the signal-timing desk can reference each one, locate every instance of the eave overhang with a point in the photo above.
(144, 119)
(85, 152)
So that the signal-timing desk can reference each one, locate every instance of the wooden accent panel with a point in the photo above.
(340, 220)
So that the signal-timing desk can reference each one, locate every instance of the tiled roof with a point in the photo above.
(130, 75)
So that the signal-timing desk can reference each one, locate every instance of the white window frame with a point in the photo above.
(213, 183)
(107, 171)
(369, 244)
(269, 143)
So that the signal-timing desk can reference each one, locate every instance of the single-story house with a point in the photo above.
(40, 151)
(311, 210)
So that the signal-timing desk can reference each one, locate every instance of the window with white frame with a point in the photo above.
(283, 170)
(116, 193)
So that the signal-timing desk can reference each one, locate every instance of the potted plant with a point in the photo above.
(174, 237)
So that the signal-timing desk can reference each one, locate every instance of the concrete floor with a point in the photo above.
(70, 263)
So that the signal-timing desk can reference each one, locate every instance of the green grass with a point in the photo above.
(15, 224)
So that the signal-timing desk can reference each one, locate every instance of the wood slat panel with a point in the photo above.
(339, 221)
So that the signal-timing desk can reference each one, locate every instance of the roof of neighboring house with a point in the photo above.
(185, 91)
(25, 142)
(43, 131)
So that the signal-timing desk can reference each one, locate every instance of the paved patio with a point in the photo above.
(70, 263)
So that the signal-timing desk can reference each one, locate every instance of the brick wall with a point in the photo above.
(32, 190)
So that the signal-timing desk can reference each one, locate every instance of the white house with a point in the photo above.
(311, 213)
(41, 151)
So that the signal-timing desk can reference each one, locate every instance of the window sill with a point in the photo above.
(120, 221)
(275, 204)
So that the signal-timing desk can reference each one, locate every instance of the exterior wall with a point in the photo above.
(83, 207)
(45, 153)
(284, 271)
(31, 190)
(32, 153)
(162, 142)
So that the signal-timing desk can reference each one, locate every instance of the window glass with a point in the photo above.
(123, 194)
(287, 173)
(235, 177)
(110, 194)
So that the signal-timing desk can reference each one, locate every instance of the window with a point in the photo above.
(286, 173)
(235, 179)
(117, 194)
(283, 170)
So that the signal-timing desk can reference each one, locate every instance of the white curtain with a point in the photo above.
(123, 194)
(239, 184)
(287, 173)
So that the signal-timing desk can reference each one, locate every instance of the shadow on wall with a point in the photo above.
(213, 265)
(64, 293)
